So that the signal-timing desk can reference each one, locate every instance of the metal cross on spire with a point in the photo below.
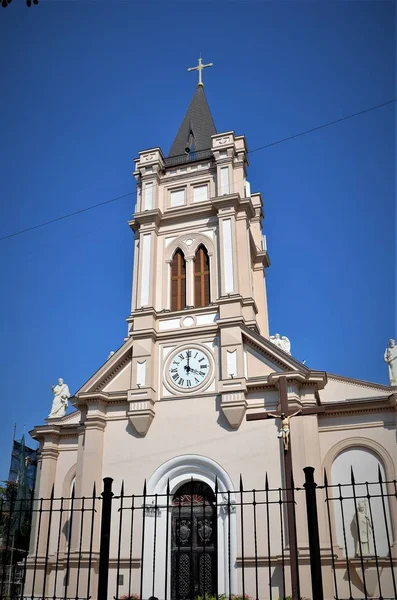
(200, 68)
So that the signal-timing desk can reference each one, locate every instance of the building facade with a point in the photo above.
(176, 404)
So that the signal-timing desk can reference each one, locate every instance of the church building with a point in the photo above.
(189, 408)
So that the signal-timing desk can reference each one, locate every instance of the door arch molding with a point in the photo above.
(179, 470)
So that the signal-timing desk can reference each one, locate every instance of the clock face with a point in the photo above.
(189, 368)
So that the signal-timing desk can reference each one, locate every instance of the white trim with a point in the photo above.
(177, 471)
(231, 363)
(225, 181)
(145, 272)
(148, 192)
(228, 255)
(141, 373)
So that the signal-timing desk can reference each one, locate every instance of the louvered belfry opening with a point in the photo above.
(201, 277)
(178, 281)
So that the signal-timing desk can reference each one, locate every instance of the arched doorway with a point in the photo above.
(193, 541)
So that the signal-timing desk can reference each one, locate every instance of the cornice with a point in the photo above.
(235, 203)
(362, 383)
(43, 432)
(146, 217)
(360, 405)
(98, 397)
(180, 214)
(260, 257)
(273, 354)
(208, 167)
(118, 367)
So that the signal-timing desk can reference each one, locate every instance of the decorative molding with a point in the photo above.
(189, 250)
(141, 410)
(111, 374)
(361, 442)
(234, 406)
(361, 383)
(181, 469)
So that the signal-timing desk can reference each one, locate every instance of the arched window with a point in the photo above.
(178, 281)
(201, 277)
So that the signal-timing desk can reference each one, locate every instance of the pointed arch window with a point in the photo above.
(201, 277)
(178, 281)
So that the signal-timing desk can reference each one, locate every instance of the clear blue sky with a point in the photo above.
(86, 85)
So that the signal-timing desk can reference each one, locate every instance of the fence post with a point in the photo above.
(314, 537)
(103, 574)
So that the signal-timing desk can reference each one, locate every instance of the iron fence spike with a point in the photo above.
(352, 475)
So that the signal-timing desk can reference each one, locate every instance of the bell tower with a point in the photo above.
(200, 255)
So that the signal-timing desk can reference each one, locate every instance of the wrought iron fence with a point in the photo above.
(203, 541)
(363, 548)
(181, 159)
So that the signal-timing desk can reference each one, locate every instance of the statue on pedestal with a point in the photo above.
(60, 401)
(390, 357)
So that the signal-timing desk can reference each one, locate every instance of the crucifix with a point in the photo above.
(200, 68)
(284, 434)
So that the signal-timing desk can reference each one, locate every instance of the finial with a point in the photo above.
(200, 68)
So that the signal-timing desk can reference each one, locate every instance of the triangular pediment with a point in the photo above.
(114, 375)
(342, 389)
(262, 357)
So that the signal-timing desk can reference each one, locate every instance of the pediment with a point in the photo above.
(341, 388)
(262, 357)
(114, 375)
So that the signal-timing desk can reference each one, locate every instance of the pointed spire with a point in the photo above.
(197, 127)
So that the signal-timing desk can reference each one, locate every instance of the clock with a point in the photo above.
(189, 368)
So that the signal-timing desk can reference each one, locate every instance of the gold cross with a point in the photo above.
(199, 68)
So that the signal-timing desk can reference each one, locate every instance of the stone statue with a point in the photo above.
(281, 342)
(361, 528)
(391, 360)
(60, 401)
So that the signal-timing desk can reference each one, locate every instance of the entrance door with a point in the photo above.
(193, 542)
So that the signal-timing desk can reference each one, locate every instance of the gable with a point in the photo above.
(258, 364)
(121, 381)
(340, 388)
(262, 357)
(114, 375)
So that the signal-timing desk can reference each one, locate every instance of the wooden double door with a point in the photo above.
(193, 542)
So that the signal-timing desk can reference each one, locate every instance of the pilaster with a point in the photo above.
(49, 453)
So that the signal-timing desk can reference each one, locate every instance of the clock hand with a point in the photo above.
(188, 356)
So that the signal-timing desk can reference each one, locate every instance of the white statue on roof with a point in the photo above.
(281, 342)
(60, 400)
(391, 360)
